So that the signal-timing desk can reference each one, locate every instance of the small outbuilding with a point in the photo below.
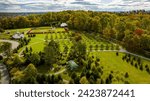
(18, 36)
(63, 25)
(72, 65)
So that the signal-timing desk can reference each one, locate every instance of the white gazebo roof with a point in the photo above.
(63, 25)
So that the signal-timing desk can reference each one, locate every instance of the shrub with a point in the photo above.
(91, 47)
(134, 58)
(112, 47)
(139, 61)
(117, 47)
(126, 82)
(27, 49)
(107, 47)
(146, 66)
(136, 65)
(127, 60)
(117, 54)
(132, 62)
(148, 70)
(1, 57)
(126, 75)
(102, 81)
(15, 51)
(2, 30)
(101, 47)
(96, 47)
(123, 58)
(141, 67)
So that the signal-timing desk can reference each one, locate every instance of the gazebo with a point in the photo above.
(72, 65)
(63, 25)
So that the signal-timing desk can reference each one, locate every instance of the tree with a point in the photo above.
(46, 38)
(120, 27)
(104, 20)
(73, 75)
(30, 49)
(30, 74)
(71, 81)
(96, 47)
(78, 52)
(112, 47)
(109, 79)
(17, 61)
(101, 47)
(84, 80)
(1, 57)
(27, 49)
(141, 67)
(39, 79)
(35, 58)
(17, 77)
(51, 53)
(117, 53)
(126, 75)
(2, 30)
(107, 47)
(66, 49)
(6, 47)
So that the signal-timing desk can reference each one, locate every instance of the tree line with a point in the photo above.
(129, 29)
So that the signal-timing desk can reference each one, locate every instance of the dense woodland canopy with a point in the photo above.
(132, 30)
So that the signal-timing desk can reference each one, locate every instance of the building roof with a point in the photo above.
(18, 36)
(63, 25)
(72, 65)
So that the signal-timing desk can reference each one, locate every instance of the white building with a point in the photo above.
(18, 36)
(63, 25)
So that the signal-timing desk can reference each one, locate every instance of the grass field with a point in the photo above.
(114, 63)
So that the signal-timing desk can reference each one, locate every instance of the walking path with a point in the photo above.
(4, 72)
(122, 51)
(60, 72)
(14, 43)
(27, 46)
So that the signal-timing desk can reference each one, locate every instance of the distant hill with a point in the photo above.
(18, 13)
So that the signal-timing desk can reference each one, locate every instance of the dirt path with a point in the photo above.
(122, 51)
(4, 74)
(27, 46)
(15, 44)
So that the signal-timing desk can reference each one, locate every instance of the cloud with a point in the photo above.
(59, 5)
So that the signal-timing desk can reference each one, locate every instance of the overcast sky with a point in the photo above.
(59, 5)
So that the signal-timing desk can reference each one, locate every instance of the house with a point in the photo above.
(63, 25)
(18, 36)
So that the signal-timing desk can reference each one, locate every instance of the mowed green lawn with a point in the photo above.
(114, 63)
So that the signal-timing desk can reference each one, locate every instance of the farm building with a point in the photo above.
(18, 36)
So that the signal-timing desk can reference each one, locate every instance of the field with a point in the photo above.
(120, 67)
(99, 48)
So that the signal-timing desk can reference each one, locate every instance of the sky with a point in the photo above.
(60, 5)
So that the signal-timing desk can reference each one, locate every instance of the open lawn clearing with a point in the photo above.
(114, 63)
